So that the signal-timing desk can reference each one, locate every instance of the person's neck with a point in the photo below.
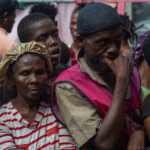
(109, 79)
(75, 47)
(3, 27)
(56, 72)
(144, 72)
(21, 103)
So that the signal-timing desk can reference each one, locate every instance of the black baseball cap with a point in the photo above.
(97, 17)
(6, 5)
(146, 49)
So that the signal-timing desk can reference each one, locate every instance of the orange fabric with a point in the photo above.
(5, 43)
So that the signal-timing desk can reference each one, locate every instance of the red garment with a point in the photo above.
(101, 98)
(73, 57)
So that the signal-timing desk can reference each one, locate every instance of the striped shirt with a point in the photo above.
(45, 133)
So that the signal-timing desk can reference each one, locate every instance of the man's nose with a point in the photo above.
(52, 42)
(112, 48)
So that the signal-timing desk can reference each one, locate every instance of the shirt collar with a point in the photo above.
(86, 69)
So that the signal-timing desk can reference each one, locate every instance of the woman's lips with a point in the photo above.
(34, 91)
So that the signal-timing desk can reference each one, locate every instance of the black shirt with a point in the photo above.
(146, 107)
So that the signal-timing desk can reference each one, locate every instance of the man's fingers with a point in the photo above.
(107, 61)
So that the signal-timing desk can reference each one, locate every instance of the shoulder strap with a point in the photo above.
(136, 78)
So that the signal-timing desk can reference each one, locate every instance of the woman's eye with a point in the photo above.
(25, 73)
(41, 72)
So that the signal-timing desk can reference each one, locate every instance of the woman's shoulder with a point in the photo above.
(5, 111)
(5, 107)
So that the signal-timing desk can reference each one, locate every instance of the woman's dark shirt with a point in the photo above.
(146, 107)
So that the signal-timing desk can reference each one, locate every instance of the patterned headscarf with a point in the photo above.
(137, 53)
(13, 55)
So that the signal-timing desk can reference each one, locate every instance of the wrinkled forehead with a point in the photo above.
(28, 59)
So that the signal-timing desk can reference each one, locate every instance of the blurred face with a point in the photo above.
(102, 44)
(73, 25)
(46, 33)
(10, 20)
(30, 76)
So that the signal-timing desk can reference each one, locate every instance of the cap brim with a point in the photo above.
(21, 8)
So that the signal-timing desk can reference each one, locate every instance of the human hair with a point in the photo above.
(128, 28)
(45, 8)
(79, 7)
(24, 30)
(11, 70)
(65, 53)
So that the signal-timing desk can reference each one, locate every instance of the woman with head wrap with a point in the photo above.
(139, 61)
(27, 122)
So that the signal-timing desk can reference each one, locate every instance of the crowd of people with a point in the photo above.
(93, 94)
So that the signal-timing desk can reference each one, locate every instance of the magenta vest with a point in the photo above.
(100, 98)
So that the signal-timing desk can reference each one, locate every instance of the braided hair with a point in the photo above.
(45, 8)
(128, 28)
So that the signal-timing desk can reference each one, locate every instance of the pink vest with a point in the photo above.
(100, 98)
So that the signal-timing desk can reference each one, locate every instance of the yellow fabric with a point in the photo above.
(14, 54)
(147, 95)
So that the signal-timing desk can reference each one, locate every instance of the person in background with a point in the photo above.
(65, 55)
(146, 103)
(40, 28)
(139, 61)
(103, 87)
(26, 121)
(74, 47)
(7, 19)
(128, 35)
(45, 8)
(51, 11)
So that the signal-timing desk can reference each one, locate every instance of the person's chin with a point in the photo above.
(55, 62)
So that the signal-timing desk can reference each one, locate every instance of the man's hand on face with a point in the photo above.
(137, 140)
(121, 67)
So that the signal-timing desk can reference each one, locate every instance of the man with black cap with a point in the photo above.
(99, 98)
(7, 19)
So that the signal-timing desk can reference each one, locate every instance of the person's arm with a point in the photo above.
(108, 135)
(137, 139)
(6, 138)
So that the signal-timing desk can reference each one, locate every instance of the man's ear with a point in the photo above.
(5, 16)
(80, 40)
